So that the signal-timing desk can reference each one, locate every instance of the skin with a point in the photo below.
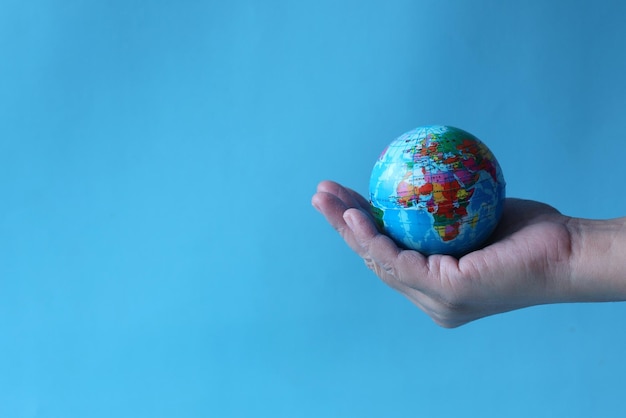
(535, 256)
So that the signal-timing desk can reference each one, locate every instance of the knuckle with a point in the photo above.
(389, 268)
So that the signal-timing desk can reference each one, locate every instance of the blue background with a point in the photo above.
(159, 256)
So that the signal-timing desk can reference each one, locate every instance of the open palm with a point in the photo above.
(526, 262)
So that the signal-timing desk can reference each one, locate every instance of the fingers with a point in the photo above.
(343, 208)
(407, 267)
(340, 204)
(350, 197)
(332, 200)
(366, 238)
(333, 208)
(416, 276)
(374, 245)
(360, 200)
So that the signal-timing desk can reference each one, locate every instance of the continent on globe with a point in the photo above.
(437, 189)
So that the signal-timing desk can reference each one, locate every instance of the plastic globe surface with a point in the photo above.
(438, 190)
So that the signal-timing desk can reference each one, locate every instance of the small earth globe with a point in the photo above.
(437, 190)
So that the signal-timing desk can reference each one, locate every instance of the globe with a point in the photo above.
(438, 190)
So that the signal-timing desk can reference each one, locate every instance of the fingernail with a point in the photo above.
(349, 218)
(315, 205)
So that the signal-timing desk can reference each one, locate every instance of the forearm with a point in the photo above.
(598, 259)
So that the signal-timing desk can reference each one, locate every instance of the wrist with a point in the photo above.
(598, 259)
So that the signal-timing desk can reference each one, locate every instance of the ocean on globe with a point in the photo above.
(438, 190)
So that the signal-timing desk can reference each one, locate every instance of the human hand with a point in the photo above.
(528, 260)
